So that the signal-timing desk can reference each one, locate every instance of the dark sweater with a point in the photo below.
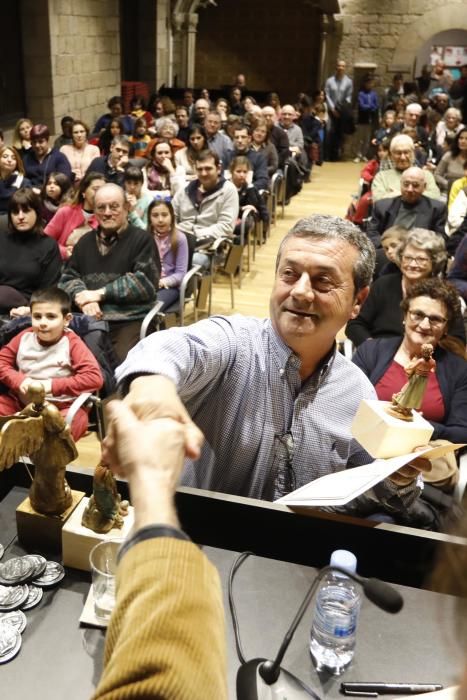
(29, 261)
(129, 273)
(101, 165)
(54, 162)
(8, 187)
(374, 357)
(381, 315)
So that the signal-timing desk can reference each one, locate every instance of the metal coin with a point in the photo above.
(54, 572)
(34, 597)
(2, 550)
(39, 563)
(10, 642)
(12, 597)
(16, 570)
(16, 619)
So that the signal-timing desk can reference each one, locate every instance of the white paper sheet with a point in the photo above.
(341, 487)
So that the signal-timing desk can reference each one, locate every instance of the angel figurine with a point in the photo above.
(40, 431)
(411, 395)
(105, 508)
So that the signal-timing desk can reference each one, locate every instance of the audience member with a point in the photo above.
(189, 101)
(338, 89)
(368, 106)
(201, 110)
(428, 309)
(65, 138)
(53, 194)
(278, 136)
(395, 90)
(273, 100)
(235, 99)
(112, 167)
(11, 179)
(387, 182)
(114, 128)
(448, 127)
(183, 607)
(412, 115)
(422, 255)
(22, 136)
(242, 147)
(113, 272)
(186, 157)
(249, 103)
(261, 142)
(196, 366)
(30, 260)
(173, 251)
(40, 159)
(80, 153)
(115, 105)
(411, 209)
(204, 94)
(161, 176)
(50, 353)
(391, 241)
(222, 108)
(208, 206)
(167, 129)
(137, 200)
(75, 219)
(298, 164)
(249, 199)
(182, 118)
(386, 131)
(218, 142)
(140, 138)
(451, 165)
(138, 111)
(442, 76)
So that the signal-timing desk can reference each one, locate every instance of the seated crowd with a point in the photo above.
(113, 217)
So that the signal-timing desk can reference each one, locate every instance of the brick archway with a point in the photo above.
(450, 15)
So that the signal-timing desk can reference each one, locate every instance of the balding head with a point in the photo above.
(413, 113)
(413, 184)
(288, 115)
(202, 107)
(269, 114)
(110, 208)
(402, 152)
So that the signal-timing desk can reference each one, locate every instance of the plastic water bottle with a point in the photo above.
(333, 633)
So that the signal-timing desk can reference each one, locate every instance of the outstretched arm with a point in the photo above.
(166, 587)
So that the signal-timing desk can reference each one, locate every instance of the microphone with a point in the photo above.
(259, 679)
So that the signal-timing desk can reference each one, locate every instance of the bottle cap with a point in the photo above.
(344, 559)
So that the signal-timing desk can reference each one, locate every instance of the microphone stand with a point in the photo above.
(260, 679)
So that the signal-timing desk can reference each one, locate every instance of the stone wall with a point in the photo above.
(85, 57)
(390, 32)
(277, 49)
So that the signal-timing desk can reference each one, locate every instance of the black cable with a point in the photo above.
(233, 612)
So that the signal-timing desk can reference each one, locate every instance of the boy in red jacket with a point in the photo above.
(51, 353)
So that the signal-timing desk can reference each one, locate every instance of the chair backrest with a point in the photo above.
(191, 239)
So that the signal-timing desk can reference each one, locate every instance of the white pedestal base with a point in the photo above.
(77, 541)
(383, 435)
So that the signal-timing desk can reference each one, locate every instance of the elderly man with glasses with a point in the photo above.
(113, 273)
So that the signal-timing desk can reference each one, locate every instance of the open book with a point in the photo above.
(341, 487)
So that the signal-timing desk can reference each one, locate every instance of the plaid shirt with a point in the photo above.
(240, 383)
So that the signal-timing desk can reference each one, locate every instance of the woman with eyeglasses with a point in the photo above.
(429, 308)
(422, 255)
